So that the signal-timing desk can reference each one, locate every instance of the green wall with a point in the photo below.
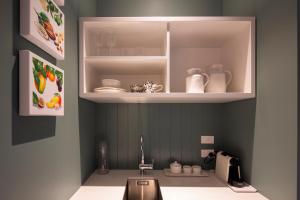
(271, 120)
(238, 124)
(159, 7)
(43, 157)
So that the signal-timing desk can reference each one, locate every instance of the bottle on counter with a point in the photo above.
(103, 158)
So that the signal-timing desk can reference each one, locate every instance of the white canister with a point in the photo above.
(196, 169)
(187, 169)
(219, 79)
(196, 81)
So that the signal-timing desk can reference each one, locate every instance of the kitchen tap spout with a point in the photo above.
(142, 165)
(142, 151)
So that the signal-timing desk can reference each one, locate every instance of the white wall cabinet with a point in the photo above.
(161, 49)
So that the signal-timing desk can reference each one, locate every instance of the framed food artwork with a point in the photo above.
(43, 23)
(41, 89)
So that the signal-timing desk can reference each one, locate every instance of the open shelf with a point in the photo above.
(203, 43)
(162, 49)
(128, 64)
(129, 70)
(125, 38)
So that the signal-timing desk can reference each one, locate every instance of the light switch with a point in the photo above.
(205, 152)
(207, 139)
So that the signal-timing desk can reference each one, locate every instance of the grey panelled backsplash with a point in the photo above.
(171, 131)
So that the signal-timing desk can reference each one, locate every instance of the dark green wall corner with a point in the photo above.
(271, 120)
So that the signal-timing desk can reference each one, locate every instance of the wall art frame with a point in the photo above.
(41, 86)
(42, 23)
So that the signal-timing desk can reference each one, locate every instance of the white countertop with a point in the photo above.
(112, 187)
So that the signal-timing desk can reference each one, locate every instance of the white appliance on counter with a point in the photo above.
(222, 166)
(228, 170)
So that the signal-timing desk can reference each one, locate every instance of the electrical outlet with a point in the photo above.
(205, 152)
(207, 139)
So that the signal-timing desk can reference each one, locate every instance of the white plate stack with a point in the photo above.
(109, 90)
(110, 86)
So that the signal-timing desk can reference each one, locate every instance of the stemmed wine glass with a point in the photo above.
(100, 43)
(111, 41)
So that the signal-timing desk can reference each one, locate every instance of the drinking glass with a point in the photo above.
(99, 43)
(111, 41)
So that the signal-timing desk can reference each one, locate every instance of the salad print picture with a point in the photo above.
(41, 86)
(42, 23)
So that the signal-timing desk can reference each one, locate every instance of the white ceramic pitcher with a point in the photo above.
(219, 79)
(196, 81)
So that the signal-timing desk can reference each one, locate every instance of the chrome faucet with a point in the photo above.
(142, 165)
(142, 150)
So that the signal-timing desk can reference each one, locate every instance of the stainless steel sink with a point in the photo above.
(142, 188)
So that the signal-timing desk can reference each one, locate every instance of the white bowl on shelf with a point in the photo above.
(111, 83)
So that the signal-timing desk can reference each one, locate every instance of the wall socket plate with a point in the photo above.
(207, 139)
(205, 152)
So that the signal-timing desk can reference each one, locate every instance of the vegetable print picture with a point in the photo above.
(42, 23)
(41, 86)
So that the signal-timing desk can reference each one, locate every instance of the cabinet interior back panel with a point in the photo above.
(205, 33)
(151, 36)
